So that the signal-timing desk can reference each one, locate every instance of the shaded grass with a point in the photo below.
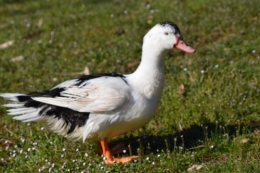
(215, 121)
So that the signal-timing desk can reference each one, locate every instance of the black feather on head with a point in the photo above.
(174, 27)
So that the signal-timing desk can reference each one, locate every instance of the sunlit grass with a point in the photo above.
(209, 112)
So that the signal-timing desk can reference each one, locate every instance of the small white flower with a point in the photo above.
(23, 140)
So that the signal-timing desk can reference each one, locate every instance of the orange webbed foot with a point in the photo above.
(120, 159)
(108, 156)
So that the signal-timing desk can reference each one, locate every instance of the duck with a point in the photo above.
(104, 105)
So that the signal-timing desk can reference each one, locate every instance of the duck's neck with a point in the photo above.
(149, 76)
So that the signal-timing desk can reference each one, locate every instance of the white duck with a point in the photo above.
(102, 106)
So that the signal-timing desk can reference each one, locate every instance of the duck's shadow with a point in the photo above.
(188, 138)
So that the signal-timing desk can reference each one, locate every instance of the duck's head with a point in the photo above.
(166, 35)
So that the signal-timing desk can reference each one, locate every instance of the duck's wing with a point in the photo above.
(66, 107)
(102, 94)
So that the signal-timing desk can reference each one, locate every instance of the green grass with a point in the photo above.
(214, 123)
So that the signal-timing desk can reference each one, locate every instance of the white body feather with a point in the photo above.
(115, 105)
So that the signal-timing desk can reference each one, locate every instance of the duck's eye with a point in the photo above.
(166, 33)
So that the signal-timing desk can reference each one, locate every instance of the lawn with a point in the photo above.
(208, 118)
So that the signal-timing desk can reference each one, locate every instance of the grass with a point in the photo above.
(213, 122)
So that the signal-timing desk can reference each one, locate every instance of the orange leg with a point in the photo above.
(109, 158)
(114, 150)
